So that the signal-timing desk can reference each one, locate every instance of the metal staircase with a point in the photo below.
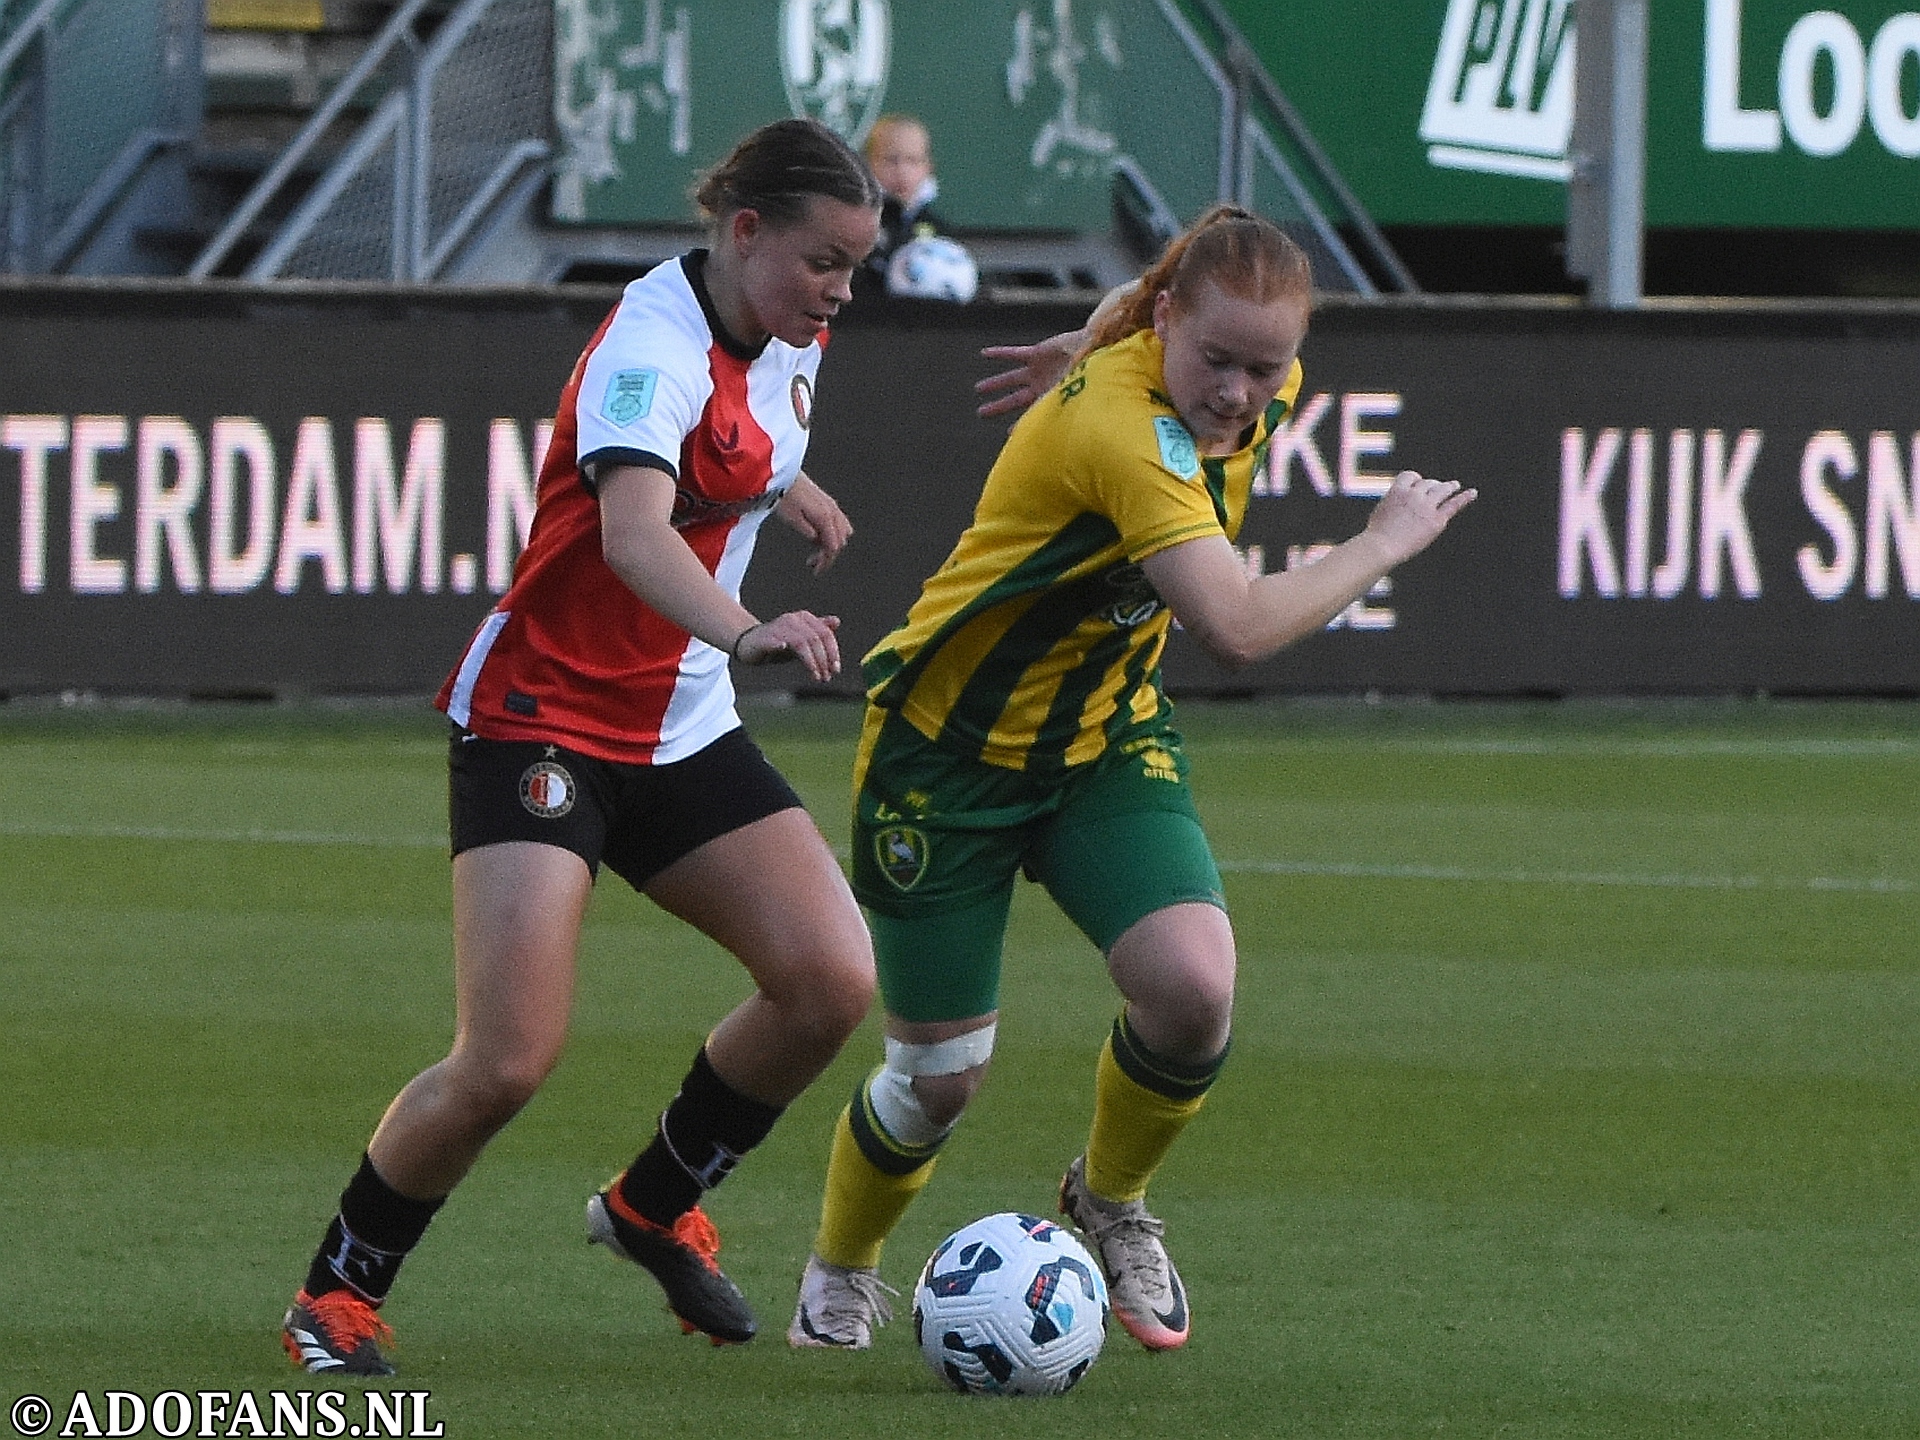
(428, 159)
(458, 126)
(1270, 162)
(99, 107)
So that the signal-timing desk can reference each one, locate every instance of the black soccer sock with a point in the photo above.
(700, 1138)
(368, 1239)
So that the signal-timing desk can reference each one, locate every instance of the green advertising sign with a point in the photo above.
(1762, 113)
(1030, 102)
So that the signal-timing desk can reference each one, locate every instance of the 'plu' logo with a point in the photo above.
(1501, 96)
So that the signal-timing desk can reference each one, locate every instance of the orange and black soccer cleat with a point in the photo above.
(681, 1258)
(337, 1333)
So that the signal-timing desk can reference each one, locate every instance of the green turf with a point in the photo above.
(1575, 1089)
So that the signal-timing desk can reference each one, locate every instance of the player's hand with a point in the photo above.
(1037, 368)
(797, 635)
(1413, 512)
(817, 517)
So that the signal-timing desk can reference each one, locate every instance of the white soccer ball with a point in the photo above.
(1010, 1305)
(933, 267)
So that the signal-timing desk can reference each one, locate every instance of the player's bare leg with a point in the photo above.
(1176, 969)
(772, 894)
(517, 910)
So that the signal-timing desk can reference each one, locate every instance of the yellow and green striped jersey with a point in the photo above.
(1037, 644)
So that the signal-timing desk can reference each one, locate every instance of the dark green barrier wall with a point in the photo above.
(1761, 113)
(1028, 102)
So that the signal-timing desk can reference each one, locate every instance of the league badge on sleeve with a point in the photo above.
(1177, 450)
(630, 396)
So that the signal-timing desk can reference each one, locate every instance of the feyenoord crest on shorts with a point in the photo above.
(547, 790)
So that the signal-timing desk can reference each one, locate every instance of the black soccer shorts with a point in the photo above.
(638, 819)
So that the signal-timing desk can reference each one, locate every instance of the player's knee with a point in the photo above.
(495, 1088)
(938, 1079)
(850, 990)
(921, 1109)
(828, 989)
(1198, 1029)
(945, 1098)
(830, 998)
(1211, 997)
(1182, 999)
(1188, 1022)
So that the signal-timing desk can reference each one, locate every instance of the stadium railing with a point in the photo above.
(462, 118)
(98, 104)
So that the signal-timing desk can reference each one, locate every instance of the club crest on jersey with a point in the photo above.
(1177, 450)
(1136, 601)
(801, 392)
(630, 396)
(547, 790)
(901, 852)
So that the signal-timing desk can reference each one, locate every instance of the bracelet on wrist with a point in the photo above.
(733, 650)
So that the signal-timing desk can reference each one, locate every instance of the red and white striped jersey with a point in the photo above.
(570, 654)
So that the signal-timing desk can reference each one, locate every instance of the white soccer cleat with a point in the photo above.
(839, 1308)
(1142, 1285)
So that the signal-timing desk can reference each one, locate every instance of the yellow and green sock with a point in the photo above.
(1142, 1101)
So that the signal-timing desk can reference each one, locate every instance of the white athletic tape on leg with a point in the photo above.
(948, 1057)
(898, 1109)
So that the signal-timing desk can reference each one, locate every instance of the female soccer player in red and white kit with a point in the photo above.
(595, 722)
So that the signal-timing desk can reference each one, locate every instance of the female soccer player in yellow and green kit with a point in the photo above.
(1016, 722)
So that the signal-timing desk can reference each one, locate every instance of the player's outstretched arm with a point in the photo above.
(652, 560)
(1038, 367)
(1239, 620)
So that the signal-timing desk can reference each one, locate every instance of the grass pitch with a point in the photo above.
(1576, 1086)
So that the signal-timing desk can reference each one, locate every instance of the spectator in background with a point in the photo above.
(913, 257)
(900, 153)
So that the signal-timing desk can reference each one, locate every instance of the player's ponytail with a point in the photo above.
(1244, 254)
(778, 168)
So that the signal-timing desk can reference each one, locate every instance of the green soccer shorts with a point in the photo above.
(939, 837)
